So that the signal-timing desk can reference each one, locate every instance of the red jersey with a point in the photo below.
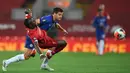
(35, 33)
(44, 41)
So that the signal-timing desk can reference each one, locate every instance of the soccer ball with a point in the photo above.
(119, 34)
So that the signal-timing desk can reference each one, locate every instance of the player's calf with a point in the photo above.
(16, 58)
(61, 45)
(101, 47)
(29, 53)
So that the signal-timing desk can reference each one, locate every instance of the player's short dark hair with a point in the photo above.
(57, 9)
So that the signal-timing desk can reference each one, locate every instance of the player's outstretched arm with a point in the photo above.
(61, 28)
(108, 16)
(38, 49)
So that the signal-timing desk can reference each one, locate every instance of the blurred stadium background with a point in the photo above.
(81, 38)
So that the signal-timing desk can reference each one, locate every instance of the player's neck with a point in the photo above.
(53, 17)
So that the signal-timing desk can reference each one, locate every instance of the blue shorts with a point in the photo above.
(29, 44)
(100, 36)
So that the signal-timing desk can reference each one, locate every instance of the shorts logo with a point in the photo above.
(31, 45)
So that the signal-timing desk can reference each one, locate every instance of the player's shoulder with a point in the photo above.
(46, 18)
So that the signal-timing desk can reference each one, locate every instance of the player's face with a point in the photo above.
(59, 15)
(102, 7)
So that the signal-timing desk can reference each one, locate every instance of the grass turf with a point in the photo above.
(72, 63)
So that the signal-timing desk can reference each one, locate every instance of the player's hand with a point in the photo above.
(42, 56)
(65, 32)
(28, 11)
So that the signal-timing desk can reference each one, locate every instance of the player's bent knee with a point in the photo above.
(62, 43)
(29, 53)
(26, 57)
(33, 53)
(65, 43)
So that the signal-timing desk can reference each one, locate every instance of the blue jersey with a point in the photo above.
(100, 23)
(46, 22)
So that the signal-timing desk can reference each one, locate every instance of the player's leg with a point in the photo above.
(44, 64)
(61, 45)
(101, 44)
(50, 43)
(20, 57)
(30, 52)
(17, 58)
(97, 44)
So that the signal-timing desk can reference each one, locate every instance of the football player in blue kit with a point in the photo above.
(101, 26)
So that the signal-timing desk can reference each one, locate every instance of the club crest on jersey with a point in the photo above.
(31, 45)
(44, 20)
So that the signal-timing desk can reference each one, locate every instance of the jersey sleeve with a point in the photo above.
(94, 24)
(106, 24)
(43, 21)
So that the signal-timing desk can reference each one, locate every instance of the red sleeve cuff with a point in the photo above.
(27, 16)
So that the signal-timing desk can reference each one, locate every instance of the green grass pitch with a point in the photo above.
(72, 63)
